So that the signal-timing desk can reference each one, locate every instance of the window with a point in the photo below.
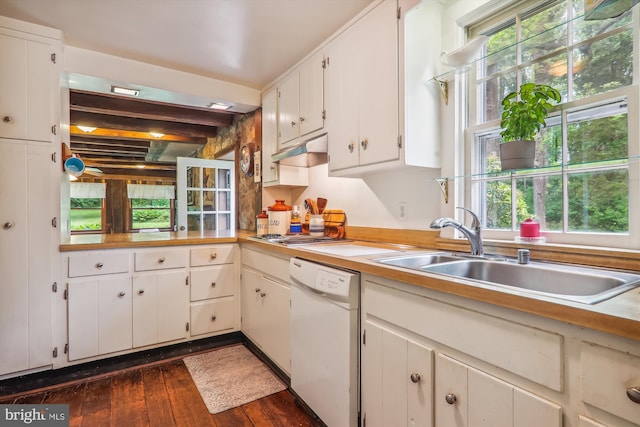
(581, 189)
(87, 207)
(151, 207)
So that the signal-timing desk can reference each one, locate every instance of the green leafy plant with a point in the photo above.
(525, 112)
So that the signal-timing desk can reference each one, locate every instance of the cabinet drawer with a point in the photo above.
(211, 316)
(606, 376)
(212, 255)
(212, 282)
(270, 265)
(160, 260)
(91, 264)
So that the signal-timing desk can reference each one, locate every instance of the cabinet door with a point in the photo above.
(311, 94)
(269, 135)
(114, 315)
(341, 85)
(465, 396)
(82, 302)
(160, 307)
(26, 78)
(265, 307)
(397, 378)
(25, 255)
(289, 109)
(378, 85)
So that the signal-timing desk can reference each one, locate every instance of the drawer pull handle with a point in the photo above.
(364, 143)
(213, 256)
(350, 147)
(121, 294)
(213, 318)
(99, 265)
(161, 260)
(213, 284)
(141, 291)
(415, 378)
(450, 398)
(8, 225)
(633, 393)
(7, 119)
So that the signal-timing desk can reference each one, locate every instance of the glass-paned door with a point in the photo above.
(206, 196)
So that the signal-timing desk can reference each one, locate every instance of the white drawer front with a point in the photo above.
(91, 264)
(606, 376)
(211, 316)
(212, 255)
(212, 282)
(160, 260)
(269, 264)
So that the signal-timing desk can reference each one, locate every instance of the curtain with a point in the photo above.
(144, 191)
(88, 190)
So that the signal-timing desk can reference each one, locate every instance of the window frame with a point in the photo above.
(473, 104)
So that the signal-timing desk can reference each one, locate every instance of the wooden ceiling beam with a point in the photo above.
(144, 109)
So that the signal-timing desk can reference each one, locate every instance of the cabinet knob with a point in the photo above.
(293, 123)
(633, 393)
(141, 291)
(7, 119)
(213, 318)
(301, 119)
(263, 295)
(121, 294)
(99, 265)
(7, 225)
(213, 284)
(450, 398)
(364, 144)
(213, 256)
(415, 378)
(350, 147)
(161, 260)
(257, 289)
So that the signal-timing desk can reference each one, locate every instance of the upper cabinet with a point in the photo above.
(301, 100)
(29, 81)
(381, 113)
(362, 91)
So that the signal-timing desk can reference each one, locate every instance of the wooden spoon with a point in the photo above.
(322, 204)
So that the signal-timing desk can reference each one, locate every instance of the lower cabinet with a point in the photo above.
(266, 305)
(465, 396)
(397, 377)
(100, 316)
(160, 308)
(425, 363)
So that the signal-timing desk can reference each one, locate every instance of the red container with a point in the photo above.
(529, 228)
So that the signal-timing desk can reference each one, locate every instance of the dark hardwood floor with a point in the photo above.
(159, 395)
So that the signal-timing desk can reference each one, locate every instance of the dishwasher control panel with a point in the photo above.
(324, 279)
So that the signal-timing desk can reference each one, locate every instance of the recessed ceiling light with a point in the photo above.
(156, 134)
(125, 91)
(87, 129)
(218, 106)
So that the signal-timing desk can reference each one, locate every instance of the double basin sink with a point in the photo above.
(578, 284)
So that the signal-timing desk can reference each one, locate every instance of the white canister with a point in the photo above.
(279, 218)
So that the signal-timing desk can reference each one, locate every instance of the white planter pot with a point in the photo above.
(517, 155)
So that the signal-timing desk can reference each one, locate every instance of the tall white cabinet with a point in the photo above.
(29, 202)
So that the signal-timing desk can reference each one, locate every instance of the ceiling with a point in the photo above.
(247, 42)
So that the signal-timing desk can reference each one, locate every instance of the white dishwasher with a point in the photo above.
(325, 360)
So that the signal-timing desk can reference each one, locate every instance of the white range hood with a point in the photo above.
(307, 153)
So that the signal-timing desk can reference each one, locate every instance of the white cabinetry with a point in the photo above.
(397, 378)
(469, 397)
(362, 92)
(266, 307)
(406, 335)
(27, 245)
(29, 81)
(300, 100)
(214, 287)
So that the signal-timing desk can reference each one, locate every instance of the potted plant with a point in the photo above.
(524, 114)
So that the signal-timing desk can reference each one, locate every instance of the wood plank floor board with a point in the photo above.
(128, 406)
(96, 406)
(72, 395)
(156, 398)
(235, 417)
(188, 408)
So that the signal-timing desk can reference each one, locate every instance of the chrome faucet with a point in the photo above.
(472, 234)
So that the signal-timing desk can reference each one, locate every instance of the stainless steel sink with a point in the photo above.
(418, 261)
(579, 284)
